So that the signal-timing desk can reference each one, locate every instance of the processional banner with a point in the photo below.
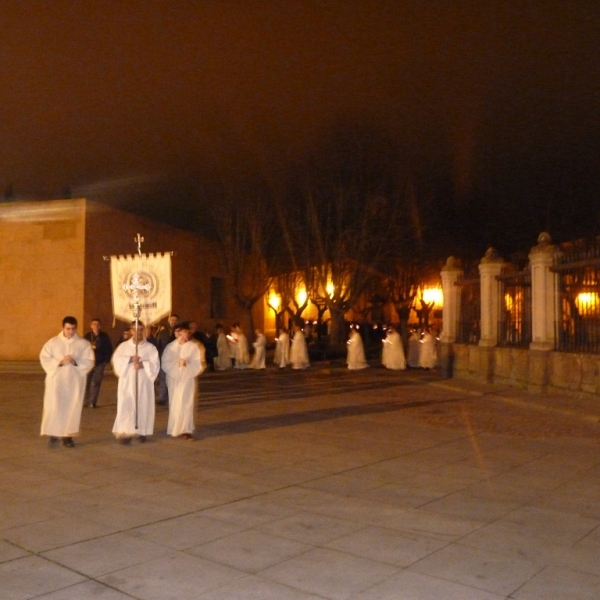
(150, 275)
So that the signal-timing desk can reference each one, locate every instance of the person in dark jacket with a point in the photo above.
(102, 347)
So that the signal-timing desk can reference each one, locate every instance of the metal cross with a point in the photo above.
(139, 239)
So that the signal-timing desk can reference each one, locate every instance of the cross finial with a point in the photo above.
(139, 239)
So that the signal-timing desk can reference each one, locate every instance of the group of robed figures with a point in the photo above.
(67, 359)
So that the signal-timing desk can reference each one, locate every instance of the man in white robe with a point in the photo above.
(66, 359)
(260, 351)
(223, 358)
(242, 354)
(282, 350)
(356, 351)
(129, 365)
(182, 362)
(427, 354)
(299, 351)
(392, 356)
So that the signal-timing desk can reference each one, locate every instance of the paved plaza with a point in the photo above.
(323, 484)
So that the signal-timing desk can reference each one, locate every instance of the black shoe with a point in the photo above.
(68, 442)
(125, 441)
(52, 441)
(142, 439)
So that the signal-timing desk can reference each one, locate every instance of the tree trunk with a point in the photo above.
(250, 320)
(404, 315)
(338, 327)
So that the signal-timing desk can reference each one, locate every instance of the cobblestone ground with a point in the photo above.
(510, 412)
(322, 484)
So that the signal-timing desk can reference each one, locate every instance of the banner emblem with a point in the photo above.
(150, 275)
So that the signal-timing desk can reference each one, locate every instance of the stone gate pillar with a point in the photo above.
(490, 267)
(543, 288)
(451, 274)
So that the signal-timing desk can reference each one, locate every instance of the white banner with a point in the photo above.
(151, 276)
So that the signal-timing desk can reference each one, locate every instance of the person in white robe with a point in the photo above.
(299, 351)
(427, 354)
(129, 365)
(260, 351)
(242, 353)
(356, 351)
(392, 356)
(66, 359)
(414, 348)
(232, 338)
(282, 349)
(223, 358)
(182, 362)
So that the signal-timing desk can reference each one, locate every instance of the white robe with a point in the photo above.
(427, 354)
(65, 386)
(223, 358)
(181, 382)
(356, 352)
(392, 356)
(299, 351)
(282, 351)
(125, 422)
(242, 358)
(260, 349)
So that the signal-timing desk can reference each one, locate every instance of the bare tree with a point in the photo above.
(351, 231)
(243, 221)
(290, 286)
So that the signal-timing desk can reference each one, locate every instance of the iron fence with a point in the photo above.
(469, 322)
(578, 311)
(514, 326)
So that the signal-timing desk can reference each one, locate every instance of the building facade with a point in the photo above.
(52, 264)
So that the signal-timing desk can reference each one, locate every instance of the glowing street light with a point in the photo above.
(274, 301)
(302, 296)
(433, 294)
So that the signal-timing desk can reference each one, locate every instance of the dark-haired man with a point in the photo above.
(66, 359)
(182, 362)
(137, 368)
(102, 347)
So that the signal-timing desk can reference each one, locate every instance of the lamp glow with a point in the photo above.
(434, 295)
(302, 296)
(588, 303)
(274, 300)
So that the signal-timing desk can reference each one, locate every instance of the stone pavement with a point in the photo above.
(324, 484)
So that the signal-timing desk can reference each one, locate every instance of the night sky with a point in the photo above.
(494, 106)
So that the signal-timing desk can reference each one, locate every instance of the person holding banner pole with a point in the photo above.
(136, 364)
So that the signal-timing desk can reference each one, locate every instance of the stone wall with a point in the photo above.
(41, 273)
(530, 369)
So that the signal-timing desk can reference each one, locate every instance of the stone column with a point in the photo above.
(490, 267)
(543, 291)
(451, 274)
(543, 311)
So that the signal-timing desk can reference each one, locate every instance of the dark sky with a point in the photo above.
(495, 105)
